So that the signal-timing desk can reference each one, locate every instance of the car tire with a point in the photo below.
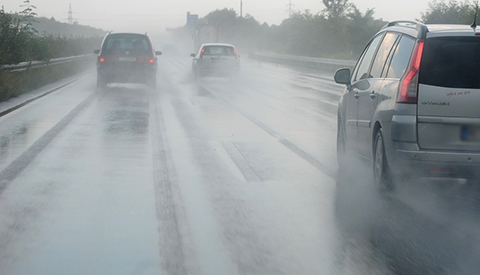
(341, 150)
(152, 83)
(381, 171)
(101, 83)
(196, 74)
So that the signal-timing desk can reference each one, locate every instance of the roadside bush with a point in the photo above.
(13, 84)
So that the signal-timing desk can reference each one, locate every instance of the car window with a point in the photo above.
(451, 62)
(218, 50)
(136, 44)
(362, 71)
(382, 55)
(401, 58)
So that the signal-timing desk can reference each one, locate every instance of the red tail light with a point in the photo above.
(107, 58)
(408, 91)
(145, 59)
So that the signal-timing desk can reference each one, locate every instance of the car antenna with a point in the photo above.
(474, 24)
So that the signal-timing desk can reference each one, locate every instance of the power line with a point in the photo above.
(290, 7)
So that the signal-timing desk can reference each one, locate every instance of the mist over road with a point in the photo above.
(215, 176)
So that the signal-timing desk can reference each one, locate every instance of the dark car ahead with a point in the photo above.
(127, 58)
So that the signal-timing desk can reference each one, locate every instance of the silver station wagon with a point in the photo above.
(412, 103)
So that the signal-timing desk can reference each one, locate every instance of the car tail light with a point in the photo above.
(145, 59)
(203, 51)
(408, 90)
(107, 58)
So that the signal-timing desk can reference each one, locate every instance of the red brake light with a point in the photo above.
(145, 59)
(102, 59)
(408, 90)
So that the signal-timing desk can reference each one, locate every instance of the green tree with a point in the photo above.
(12, 40)
(28, 16)
(452, 12)
(336, 9)
(224, 21)
(360, 28)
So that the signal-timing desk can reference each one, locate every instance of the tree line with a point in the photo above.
(341, 30)
(20, 41)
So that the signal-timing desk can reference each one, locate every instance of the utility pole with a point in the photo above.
(241, 8)
(290, 7)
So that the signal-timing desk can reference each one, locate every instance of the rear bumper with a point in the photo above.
(438, 163)
(225, 68)
(130, 73)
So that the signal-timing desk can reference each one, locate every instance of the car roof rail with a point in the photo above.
(421, 27)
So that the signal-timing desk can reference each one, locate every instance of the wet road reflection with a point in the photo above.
(215, 176)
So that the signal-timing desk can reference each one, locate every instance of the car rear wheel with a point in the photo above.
(381, 171)
(101, 83)
(152, 83)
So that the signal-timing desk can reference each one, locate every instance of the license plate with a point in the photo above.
(217, 60)
(470, 133)
(128, 58)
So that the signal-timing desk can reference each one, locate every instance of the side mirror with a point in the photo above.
(192, 55)
(343, 76)
(96, 51)
(158, 53)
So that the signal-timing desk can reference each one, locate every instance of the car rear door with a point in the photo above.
(449, 94)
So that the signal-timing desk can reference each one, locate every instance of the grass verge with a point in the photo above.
(13, 84)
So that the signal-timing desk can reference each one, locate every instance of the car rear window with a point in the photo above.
(451, 62)
(218, 50)
(132, 43)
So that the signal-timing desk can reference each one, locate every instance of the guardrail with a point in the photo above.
(302, 60)
(35, 64)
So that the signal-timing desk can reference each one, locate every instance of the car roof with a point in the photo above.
(217, 44)
(128, 34)
(421, 30)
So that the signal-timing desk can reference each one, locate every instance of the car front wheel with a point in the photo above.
(341, 151)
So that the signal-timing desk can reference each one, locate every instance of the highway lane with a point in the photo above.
(215, 176)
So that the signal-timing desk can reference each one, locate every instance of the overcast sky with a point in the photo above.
(155, 15)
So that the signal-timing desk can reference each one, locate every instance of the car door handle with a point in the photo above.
(356, 94)
(373, 95)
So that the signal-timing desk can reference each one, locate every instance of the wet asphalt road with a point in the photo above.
(214, 176)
